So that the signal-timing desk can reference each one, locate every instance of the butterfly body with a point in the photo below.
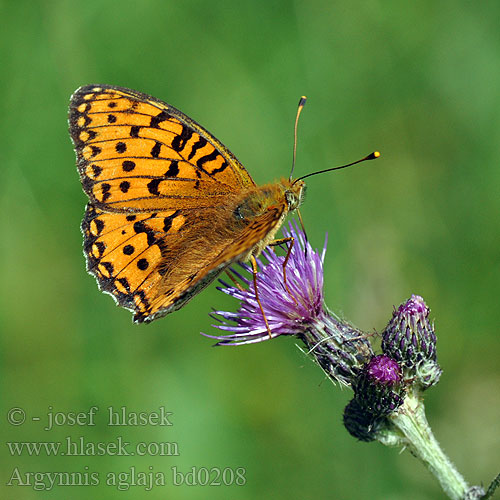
(169, 206)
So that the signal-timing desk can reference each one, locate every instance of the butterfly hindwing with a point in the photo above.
(125, 252)
(149, 262)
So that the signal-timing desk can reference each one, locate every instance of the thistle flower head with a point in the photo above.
(383, 370)
(286, 310)
(409, 338)
(378, 389)
(296, 308)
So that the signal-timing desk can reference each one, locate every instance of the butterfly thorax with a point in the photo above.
(280, 198)
(286, 195)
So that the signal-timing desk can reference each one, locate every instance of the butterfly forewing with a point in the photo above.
(136, 152)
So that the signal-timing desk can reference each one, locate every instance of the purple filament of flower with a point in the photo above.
(384, 370)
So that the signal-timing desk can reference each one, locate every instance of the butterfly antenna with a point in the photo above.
(371, 156)
(302, 103)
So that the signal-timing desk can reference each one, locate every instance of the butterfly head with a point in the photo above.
(295, 192)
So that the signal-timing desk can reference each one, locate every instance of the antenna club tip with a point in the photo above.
(302, 101)
(373, 156)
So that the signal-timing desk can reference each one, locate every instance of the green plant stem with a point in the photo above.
(411, 429)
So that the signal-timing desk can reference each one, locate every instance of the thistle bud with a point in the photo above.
(378, 389)
(360, 423)
(409, 338)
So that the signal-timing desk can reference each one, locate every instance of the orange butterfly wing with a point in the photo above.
(160, 225)
(136, 152)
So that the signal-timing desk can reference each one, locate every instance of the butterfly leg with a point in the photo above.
(255, 270)
(290, 240)
(235, 283)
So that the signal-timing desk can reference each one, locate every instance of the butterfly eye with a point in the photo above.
(292, 199)
(237, 213)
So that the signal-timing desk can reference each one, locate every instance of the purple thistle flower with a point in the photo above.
(337, 347)
(285, 314)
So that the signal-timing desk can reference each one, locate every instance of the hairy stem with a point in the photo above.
(414, 432)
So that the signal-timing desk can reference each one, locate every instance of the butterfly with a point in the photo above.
(170, 207)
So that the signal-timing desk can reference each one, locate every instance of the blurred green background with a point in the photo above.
(419, 81)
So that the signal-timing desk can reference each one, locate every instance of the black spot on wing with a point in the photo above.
(124, 282)
(200, 143)
(220, 169)
(179, 141)
(128, 165)
(204, 159)
(155, 151)
(153, 186)
(92, 134)
(142, 264)
(86, 121)
(120, 147)
(100, 247)
(109, 267)
(141, 316)
(173, 169)
(96, 170)
(161, 117)
(140, 227)
(99, 224)
(167, 221)
(105, 187)
(128, 249)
